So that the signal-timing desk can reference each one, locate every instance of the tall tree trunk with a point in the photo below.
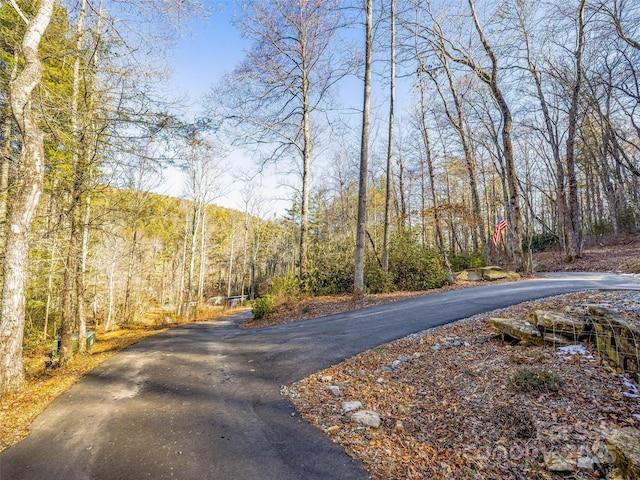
(389, 186)
(203, 254)
(432, 178)
(491, 79)
(458, 123)
(306, 173)
(22, 203)
(358, 290)
(573, 228)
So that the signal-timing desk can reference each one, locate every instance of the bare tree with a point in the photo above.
(284, 80)
(389, 169)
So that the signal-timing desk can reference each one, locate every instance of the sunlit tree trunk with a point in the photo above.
(22, 202)
(389, 174)
(358, 290)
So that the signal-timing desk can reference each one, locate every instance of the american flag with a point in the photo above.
(499, 227)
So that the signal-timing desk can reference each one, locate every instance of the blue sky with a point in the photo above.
(208, 49)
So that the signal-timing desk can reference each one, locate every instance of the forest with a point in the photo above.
(407, 129)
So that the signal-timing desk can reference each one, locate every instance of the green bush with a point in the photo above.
(285, 287)
(375, 280)
(462, 262)
(529, 379)
(540, 242)
(414, 266)
(262, 307)
(331, 267)
(601, 228)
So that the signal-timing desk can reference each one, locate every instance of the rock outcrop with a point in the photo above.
(522, 330)
(624, 444)
(488, 274)
(568, 326)
(616, 339)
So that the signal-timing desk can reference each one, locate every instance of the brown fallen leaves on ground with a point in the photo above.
(451, 409)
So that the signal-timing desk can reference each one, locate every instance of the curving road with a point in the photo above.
(203, 402)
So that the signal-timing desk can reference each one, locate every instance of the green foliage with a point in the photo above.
(601, 227)
(285, 287)
(540, 242)
(628, 220)
(414, 266)
(462, 262)
(376, 280)
(529, 379)
(262, 307)
(331, 267)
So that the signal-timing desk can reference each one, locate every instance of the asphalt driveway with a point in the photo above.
(203, 401)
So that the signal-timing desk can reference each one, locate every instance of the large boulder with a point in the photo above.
(470, 275)
(493, 273)
(521, 330)
(616, 339)
(554, 322)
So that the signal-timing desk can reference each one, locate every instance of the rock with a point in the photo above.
(326, 378)
(334, 390)
(625, 444)
(350, 406)
(616, 339)
(558, 323)
(416, 355)
(399, 426)
(518, 329)
(470, 275)
(555, 462)
(493, 273)
(395, 364)
(601, 451)
(402, 358)
(367, 418)
(586, 464)
(513, 276)
(554, 339)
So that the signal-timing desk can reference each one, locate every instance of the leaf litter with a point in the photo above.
(452, 410)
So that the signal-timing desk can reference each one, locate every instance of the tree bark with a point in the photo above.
(22, 203)
(573, 228)
(358, 290)
(389, 186)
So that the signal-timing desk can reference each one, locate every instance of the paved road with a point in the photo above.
(203, 402)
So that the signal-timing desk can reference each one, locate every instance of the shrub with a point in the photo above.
(462, 262)
(285, 287)
(331, 267)
(375, 280)
(529, 379)
(540, 242)
(262, 306)
(414, 266)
